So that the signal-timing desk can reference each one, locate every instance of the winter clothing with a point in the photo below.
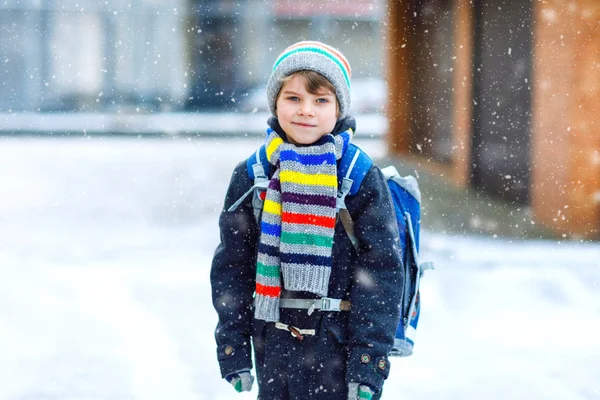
(312, 56)
(298, 220)
(348, 347)
(357, 392)
(241, 381)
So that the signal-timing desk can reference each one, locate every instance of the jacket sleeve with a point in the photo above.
(376, 290)
(232, 277)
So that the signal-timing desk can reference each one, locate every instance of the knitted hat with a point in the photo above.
(312, 56)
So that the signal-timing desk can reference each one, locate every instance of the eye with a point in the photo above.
(322, 100)
(293, 98)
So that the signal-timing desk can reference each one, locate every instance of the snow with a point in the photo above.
(105, 247)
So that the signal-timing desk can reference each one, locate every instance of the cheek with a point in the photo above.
(278, 103)
(281, 109)
(333, 116)
(331, 125)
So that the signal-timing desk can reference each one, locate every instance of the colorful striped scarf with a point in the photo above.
(298, 220)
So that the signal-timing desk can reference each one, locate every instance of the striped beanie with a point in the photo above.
(312, 56)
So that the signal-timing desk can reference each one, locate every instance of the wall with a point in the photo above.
(463, 92)
(399, 49)
(83, 54)
(565, 107)
(566, 115)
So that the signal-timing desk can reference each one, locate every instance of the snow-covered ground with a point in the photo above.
(105, 246)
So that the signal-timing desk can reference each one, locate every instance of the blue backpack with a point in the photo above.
(406, 197)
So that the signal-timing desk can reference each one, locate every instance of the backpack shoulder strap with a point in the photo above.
(259, 169)
(257, 164)
(353, 168)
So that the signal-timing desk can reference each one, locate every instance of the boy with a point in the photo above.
(268, 278)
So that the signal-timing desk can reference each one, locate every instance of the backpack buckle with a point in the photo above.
(340, 201)
(329, 304)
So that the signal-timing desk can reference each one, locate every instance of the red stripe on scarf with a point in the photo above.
(270, 291)
(291, 218)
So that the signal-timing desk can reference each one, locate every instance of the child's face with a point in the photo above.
(305, 117)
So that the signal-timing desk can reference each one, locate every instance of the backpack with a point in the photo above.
(406, 197)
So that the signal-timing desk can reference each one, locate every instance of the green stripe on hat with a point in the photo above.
(318, 51)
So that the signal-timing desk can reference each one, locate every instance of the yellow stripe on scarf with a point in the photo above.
(308, 179)
(275, 143)
(272, 207)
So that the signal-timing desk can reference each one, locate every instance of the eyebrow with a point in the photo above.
(326, 93)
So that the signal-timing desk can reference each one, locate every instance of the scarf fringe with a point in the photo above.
(266, 308)
(314, 279)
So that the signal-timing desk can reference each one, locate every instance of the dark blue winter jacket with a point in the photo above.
(371, 280)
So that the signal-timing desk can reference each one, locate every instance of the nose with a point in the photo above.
(306, 109)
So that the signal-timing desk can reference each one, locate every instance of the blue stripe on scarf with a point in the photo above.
(307, 159)
(268, 250)
(271, 229)
(295, 258)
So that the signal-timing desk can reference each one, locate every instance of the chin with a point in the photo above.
(306, 141)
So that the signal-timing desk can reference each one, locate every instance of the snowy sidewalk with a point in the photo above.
(105, 249)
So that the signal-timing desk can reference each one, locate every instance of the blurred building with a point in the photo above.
(233, 44)
(504, 96)
(89, 55)
(85, 55)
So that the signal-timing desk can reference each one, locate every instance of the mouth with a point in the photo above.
(304, 124)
